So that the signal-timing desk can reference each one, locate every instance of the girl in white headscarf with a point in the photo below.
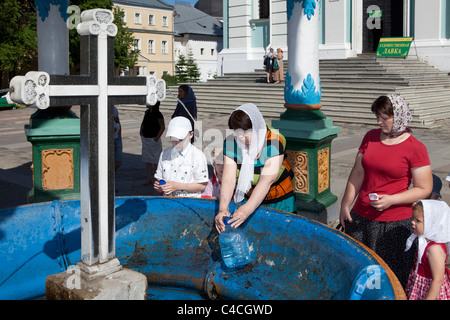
(255, 154)
(388, 160)
(429, 278)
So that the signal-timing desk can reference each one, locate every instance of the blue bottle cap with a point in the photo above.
(162, 182)
(225, 221)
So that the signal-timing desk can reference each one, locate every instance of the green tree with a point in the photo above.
(181, 69)
(186, 69)
(18, 43)
(125, 55)
(192, 69)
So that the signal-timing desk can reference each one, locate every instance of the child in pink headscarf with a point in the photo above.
(429, 278)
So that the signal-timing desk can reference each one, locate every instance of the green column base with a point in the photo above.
(55, 138)
(309, 134)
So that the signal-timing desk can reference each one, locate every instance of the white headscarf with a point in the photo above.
(259, 131)
(436, 216)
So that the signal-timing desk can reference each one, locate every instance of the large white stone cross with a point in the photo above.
(96, 90)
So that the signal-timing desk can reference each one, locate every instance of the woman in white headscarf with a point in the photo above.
(429, 278)
(388, 159)
(255, 156)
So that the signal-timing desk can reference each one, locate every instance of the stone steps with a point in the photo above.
(348, 89)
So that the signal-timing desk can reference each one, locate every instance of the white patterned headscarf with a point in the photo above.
(436, 216)
(402, 115)
(259, 131)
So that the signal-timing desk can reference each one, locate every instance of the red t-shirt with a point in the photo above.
(387, 170)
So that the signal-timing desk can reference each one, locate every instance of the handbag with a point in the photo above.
(276, 64)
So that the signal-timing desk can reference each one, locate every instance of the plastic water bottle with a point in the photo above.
(234, 247)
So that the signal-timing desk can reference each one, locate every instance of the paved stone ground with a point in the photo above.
(16, 153)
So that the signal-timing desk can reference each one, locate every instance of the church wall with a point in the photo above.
(342, 32)
(428, 32)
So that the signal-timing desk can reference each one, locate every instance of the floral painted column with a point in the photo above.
(307, 130)
(302, 89)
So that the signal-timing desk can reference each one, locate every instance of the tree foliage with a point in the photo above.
(187, 69)
(18, 43)
(125, 55)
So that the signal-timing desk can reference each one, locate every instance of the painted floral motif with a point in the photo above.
(43, 7)
(308, 7)
(308, 94)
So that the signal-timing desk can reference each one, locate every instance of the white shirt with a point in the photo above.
(189, 166)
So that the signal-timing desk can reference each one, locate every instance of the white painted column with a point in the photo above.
(302, 79)
(53, 37)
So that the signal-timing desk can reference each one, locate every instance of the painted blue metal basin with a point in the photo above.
(173, 242)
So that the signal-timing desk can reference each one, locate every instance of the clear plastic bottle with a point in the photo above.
(234, 247)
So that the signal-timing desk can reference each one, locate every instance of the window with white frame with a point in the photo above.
(151, 19)
(124, 17)
(137, 18)
(151, 46)
(137, 43)
(165, 21)
(164, 46)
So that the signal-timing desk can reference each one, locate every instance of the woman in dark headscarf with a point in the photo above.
(187, 97)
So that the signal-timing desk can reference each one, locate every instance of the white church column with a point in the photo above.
(302, 79)
(427, 33)
(338, 15)
(53, 37)
(307, 130)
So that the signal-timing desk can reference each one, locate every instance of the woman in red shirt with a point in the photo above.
(388, 159)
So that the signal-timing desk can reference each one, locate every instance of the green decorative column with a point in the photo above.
(308, 131)
(53, 132)
(55, 136)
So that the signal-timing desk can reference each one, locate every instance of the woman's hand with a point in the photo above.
(344, 215)
(239, 216)
(220, 225)
(384, 201)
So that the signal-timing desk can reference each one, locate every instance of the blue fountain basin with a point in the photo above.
(173, 241)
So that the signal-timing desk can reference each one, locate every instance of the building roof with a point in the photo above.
(190, 20)
(212, 7)
(156, 4)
